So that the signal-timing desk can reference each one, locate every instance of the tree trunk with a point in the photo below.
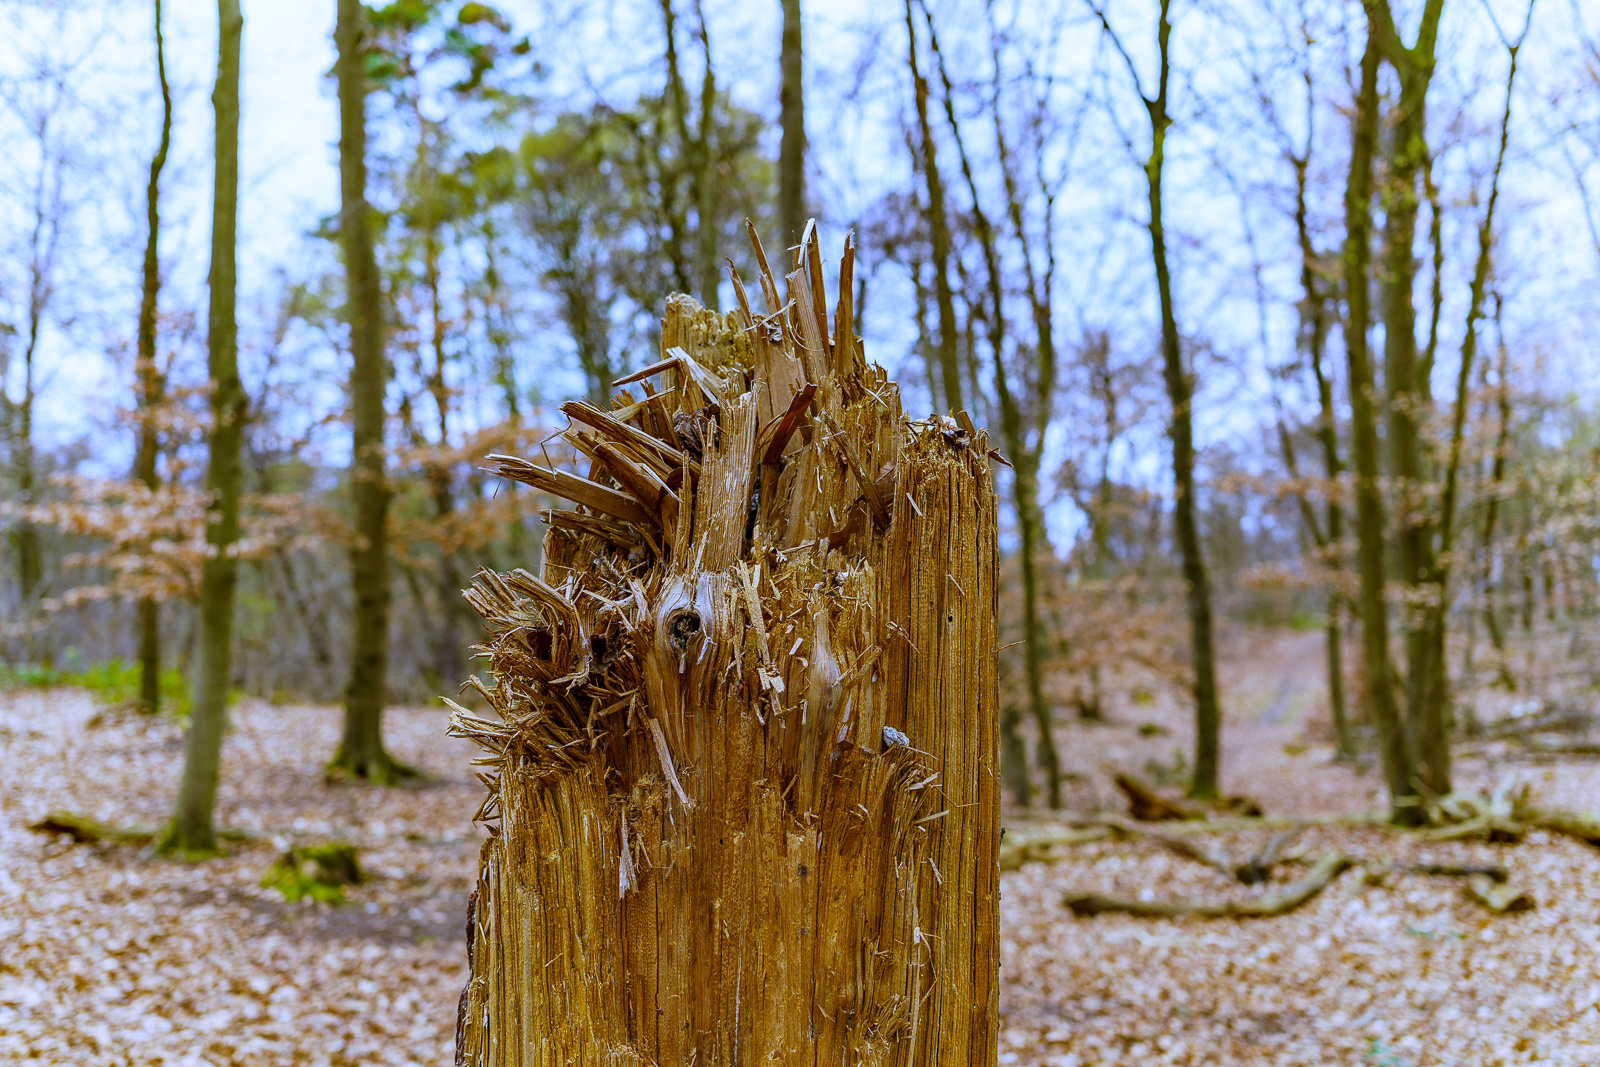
(746, 775)
(1433, 745)
(1407, 383)
(1381, 705)
(706, 176)
(696, 154)
(1023, 437)
(792, 117)
(1180, 393)
(361, 752)
(150, 385)
(1316, 316)
(192, 832)
(448, 660)
(939, 235)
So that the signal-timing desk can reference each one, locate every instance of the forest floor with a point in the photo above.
(108, 956)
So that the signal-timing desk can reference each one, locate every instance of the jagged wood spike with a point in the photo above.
(811, 250)
(844, 337)
(769, 288)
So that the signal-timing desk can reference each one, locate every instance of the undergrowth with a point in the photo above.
(112, 681)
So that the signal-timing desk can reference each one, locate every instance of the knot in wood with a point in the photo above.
(694, 432)
(682, 626)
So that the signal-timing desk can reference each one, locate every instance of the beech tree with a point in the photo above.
(1180, 385)
(792, 120)
(191, 832)
(361, 752)
(1380, 696)
(1026, 408)
(149, 381)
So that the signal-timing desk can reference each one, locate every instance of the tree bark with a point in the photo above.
(361, 752)
(192, 832)
(1409, 399)
(1381, 704)
(1316, 323)
(938, 233)
(1022, 433)
(1180, 393)
(1433, 745)
(792, 118)
(746, 781)
(696, 149)
(149, 381)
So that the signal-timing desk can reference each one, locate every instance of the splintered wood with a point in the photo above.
(743, 782)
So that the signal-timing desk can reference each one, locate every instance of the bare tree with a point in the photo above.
(792, 118)
(938, 230)
(1180, 393)
(1023, 419)
(150, 385)
(1433, 730)
(361, 752)
(191, 832)
(1406, 371)
(1381, 703)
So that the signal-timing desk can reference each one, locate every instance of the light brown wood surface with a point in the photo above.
(742, 765)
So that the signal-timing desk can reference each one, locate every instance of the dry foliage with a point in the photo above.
(111, 958)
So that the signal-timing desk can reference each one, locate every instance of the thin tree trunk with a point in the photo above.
(150, 385)
(1408, 395)
(1491, 511)
(192, 832)
(361, 752)
(1100, 521)
(1525, 572)
(706, 176)
(1180, 393)
(792, 118)
(1316, 318)
(1332, 469)
(447, 656)
(938, 232)
(1433, 747)
(1023, 435)
(696, 153)
(43, 241)
(762, 805)
(1381, 705)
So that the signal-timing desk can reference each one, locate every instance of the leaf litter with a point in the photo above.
(108, 956)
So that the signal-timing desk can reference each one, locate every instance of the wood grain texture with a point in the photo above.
(742, 768)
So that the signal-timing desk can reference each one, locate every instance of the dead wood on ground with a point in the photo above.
(1278, 902)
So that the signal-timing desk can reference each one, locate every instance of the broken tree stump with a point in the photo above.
(742, 780)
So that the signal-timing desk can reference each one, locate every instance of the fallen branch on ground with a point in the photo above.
(1497, 896)
(1251, 871)
(1279, 902)
(86, 831)
(1017, 849)
(1487, 884)
(1146, 805)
